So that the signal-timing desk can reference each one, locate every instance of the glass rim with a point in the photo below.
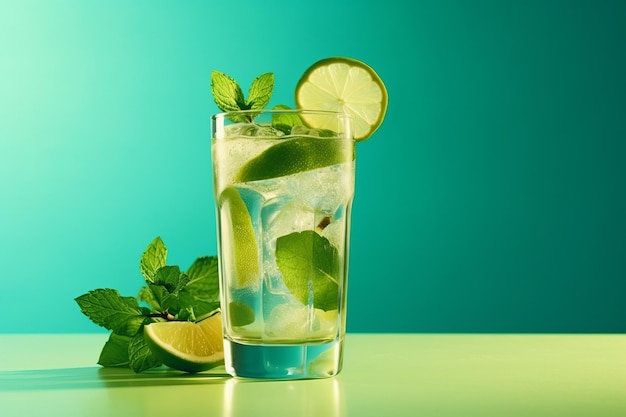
(278, 111)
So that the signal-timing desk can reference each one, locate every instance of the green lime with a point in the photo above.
(187, 346)
(345, 85)
(298, 154)
(239, 248)
(240, 314)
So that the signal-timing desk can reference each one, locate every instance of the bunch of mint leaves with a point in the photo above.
(168, 294)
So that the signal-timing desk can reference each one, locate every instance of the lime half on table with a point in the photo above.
(345, 85)
(187, 346)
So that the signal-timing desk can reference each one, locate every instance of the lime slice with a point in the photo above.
(347, 85)
(240, 314)
(295, 155)
(187, 346)
(239, 249)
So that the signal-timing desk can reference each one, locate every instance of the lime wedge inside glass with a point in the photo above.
(295, 155)
(239, 246)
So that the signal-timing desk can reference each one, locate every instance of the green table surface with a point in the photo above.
(384, 375)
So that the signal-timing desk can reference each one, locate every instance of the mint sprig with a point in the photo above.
(228, 94)
(168, 294)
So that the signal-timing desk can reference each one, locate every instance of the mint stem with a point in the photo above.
(323, 223)
(165, 315)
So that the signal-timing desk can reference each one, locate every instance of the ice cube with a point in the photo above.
(335, 232)
(323, 189)
(283, 216)
(301, 130)
(251, 130)
(288, 321)
(295, 321)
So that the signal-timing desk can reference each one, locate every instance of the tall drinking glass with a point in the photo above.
(284, 184)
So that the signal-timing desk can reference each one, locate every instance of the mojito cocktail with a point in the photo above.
(284, 184)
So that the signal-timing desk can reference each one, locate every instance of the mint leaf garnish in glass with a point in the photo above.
(228, 95)
(226, 92)
(307, 256)
(260, 92)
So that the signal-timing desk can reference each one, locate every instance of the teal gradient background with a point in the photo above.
(492, 199)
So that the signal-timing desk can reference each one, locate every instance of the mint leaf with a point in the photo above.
(157, 295)
(202, 290)
(203, 279)
(186, 314)
(285, 121)
(200, 306)
(260, 91)
(281, 107)
(152, 259)
(147, 296)
(311, 266)
(171, 291)
(115, 351)
(171, 278)
(140, 356)
(178, 304)
(226, 92)
(107, 308)
(164, 294)
(166, 301)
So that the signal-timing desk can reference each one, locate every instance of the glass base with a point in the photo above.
(300, 361)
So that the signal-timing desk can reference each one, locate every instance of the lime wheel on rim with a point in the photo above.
(346, 85)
